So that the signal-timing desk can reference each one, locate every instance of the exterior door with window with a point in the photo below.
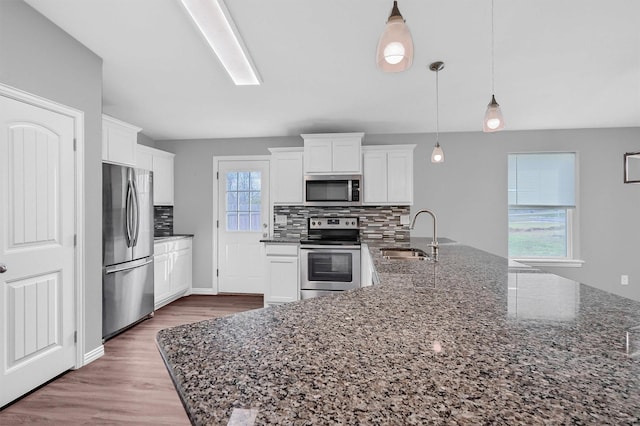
(243, 219)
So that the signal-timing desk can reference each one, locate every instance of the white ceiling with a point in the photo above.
(559, 64)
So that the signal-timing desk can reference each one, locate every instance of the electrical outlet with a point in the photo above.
(404, 219)
(281, 219)
(624, 279)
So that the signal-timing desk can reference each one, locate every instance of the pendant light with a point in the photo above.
(395, 47)
(493, 120)
(437, 156)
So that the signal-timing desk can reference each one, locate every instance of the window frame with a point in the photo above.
(572, 258)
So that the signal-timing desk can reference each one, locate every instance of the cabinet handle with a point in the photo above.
(3, 268)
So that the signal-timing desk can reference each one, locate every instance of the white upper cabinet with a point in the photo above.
(286, 176)
(333, 153)
(119, 141)
(161, 163)
(388, 174)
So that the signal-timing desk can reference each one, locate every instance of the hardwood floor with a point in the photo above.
(129, 384)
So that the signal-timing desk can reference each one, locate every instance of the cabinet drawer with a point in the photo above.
(182, 244)
(160, 248)
(282, 250)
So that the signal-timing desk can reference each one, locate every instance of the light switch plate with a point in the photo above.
(281, 219)
(404, 219)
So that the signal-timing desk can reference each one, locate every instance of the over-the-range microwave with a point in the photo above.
(333, 190)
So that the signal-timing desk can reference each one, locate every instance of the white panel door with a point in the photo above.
(37, 217)
(243, 217)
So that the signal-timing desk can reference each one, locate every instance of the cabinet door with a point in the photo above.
(181, 274)
(119, 141)
(287, 178)
(161, 279)
(346, 156)
(122, 146)
(282, 280)
(399, 177)
(317, 156)
(163, 180)
(144, 159)
(374, 183)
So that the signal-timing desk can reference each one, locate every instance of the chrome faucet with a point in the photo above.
(434, 243)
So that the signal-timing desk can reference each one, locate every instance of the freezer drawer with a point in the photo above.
(127, 295)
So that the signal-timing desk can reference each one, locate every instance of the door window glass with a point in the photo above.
(243, 197)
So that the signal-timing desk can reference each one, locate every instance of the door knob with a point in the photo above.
(3, 268)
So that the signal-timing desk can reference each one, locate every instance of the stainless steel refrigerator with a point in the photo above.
(127, 247)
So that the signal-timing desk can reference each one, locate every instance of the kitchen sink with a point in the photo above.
(404, 254)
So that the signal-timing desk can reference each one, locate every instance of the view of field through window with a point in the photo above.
(538, 232)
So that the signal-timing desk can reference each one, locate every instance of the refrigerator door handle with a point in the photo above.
(119, 268)
(128, 215)
(136, 213)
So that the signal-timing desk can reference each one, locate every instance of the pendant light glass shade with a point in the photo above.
(395, 47)
(493, 120)
(437, 156)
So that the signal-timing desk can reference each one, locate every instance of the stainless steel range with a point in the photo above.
(330, 256)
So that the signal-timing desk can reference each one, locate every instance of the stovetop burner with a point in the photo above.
(332, 231)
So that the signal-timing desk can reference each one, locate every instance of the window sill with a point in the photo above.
(564, 263)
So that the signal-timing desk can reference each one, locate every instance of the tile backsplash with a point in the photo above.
(162, 221)
(376, 222)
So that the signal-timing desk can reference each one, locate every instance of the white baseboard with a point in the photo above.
(94, 354)
(203, 291)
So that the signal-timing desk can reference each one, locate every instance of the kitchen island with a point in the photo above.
(468, 339)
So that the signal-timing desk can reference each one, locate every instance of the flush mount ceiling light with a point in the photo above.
(216, 25)
(437, 156)
(395, 47)
(493, 120)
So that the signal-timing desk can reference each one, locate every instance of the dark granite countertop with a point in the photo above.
(465, 340)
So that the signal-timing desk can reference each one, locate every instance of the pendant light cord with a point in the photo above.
(493, 91)
(437, 109)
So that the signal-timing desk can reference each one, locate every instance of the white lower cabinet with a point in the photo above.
(172, 270)
(282, 274)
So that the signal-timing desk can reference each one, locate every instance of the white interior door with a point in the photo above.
(243, 219)
(37, 226)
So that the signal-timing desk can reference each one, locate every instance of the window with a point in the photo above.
(243, 201)
(542, 206)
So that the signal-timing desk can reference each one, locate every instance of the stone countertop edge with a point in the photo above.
(434, 342)
(175, 384)
(280, 241)
(161, 238)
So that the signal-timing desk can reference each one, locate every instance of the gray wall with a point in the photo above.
(468, 193)
(40, 58)
(146, 140)
(193, 189)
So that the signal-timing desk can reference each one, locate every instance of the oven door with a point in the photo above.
(329, 267)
